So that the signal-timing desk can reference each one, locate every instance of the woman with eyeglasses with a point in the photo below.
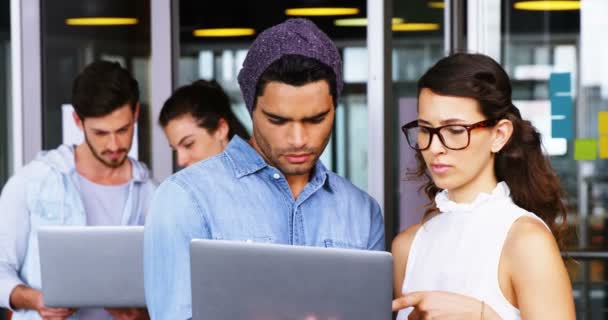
(487, 246)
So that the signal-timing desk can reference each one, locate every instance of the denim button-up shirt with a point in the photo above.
(238, 196)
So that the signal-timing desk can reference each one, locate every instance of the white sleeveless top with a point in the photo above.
(459, 249)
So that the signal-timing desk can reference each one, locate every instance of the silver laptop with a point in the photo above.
(92, 266)
(252, 281)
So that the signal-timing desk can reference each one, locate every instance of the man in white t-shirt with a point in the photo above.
(94, 183)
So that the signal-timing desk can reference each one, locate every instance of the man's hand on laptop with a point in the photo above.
(52, 313)
(55, 313)
(23, 297)
(129, 313)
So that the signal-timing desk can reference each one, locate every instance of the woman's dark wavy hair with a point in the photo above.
(206, 102)
(521, 163)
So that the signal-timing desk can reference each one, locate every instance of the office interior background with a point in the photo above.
(549, 48)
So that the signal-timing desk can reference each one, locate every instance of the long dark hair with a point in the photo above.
(521, 163)
(207, 103)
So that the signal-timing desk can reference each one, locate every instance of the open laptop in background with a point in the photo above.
(252, 281)
(92, 266)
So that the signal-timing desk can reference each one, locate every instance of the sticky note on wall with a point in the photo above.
(602, 122)
(561, 117)
(585, 149)
(561, 105)
(604, 147)
(559, 82)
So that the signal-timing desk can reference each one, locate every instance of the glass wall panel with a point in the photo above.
(418, 42)
(5, 89)
(556, 59)
(68, 46)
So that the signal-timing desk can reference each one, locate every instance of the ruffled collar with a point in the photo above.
(444, 204)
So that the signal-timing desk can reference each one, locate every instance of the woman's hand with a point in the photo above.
(443, 305)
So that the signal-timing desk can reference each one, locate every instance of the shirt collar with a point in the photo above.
(320, 174)
(444, 204)
(246, 160)
(63, 159)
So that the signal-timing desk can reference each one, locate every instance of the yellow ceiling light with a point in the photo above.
(101, 21)
(549, 5)
(358, 22)
(321, 11)
(415, 26)
(437, 4)
(223, 32)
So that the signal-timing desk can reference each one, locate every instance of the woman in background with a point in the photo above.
(198, 121)
(487, 247)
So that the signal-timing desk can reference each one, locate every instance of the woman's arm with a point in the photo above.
(538, 275)
(400, 250)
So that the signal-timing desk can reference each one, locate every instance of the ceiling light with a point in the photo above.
(436, 4)
(547, 5)
(101, 21)
(223, 32)
(321, 11)
(412, 26)
(358, 22)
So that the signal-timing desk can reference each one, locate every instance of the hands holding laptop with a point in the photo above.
(128, 313)
(53, 313)
(23, 297)
(443, 304)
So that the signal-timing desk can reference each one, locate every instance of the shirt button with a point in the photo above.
(276, 176)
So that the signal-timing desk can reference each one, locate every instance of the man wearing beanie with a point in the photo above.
(272, 188)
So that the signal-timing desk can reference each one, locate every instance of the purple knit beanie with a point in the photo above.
(294, 36)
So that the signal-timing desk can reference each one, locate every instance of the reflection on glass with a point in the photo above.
(536, 46)
(5, 87)
(68, 47)
(417, 45)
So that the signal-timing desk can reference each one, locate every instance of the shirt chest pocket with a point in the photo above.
(338, 243)
(249, 238)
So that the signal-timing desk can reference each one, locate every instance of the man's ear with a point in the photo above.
(136, 113)
(79, 122)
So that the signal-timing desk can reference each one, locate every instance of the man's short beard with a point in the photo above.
(97, 156)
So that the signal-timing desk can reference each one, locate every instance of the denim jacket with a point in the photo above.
(46, 192)
(236, 195)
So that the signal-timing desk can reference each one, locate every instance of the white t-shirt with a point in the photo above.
(104, 206)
